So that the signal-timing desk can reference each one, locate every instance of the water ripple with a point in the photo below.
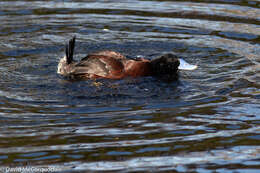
(208, 120)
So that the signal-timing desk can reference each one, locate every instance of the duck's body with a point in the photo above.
(113, 65)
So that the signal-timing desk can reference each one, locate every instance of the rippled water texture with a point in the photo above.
(208, 121)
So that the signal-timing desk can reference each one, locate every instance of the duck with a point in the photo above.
(109, 64)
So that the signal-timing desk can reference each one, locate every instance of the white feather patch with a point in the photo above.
(186, 66)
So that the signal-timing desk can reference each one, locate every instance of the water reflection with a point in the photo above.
(178, 162)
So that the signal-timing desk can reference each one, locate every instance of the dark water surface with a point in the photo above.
(208, 121)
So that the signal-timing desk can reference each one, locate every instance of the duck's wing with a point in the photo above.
(90, 66)
(98, 65)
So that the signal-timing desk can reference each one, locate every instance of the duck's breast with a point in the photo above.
(137, 68)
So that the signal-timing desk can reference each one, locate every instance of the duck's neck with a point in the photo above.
(135, 68)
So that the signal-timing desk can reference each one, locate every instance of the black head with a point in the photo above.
(166, 65)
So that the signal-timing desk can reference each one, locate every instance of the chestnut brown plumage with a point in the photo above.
(113, 65)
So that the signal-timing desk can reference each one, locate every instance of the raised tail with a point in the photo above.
(69, 50)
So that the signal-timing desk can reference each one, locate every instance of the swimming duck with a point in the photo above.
(113, 65)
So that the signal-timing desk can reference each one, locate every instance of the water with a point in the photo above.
(208, 121)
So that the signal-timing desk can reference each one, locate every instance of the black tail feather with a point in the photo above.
(69, 50)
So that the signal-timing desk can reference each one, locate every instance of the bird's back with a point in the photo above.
(99, 66)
